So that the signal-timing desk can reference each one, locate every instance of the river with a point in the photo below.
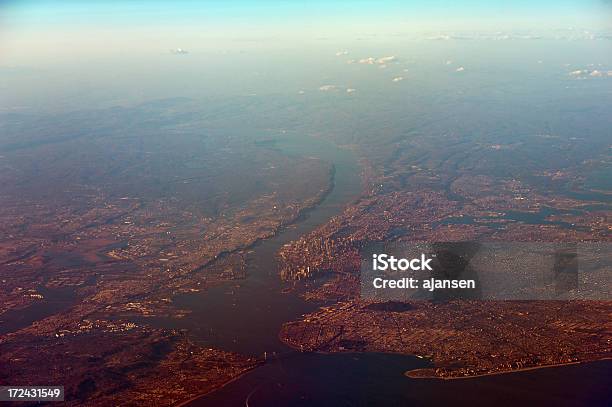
(246, 316)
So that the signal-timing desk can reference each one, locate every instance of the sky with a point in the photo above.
(483, 13)
(127, 20)
(120, 50)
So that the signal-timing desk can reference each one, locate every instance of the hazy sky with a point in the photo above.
(469, 13)
(35, 26)
(120, 50)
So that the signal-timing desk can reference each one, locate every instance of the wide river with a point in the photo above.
(245, 316)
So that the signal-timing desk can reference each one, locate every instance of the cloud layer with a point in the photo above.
(590, 73)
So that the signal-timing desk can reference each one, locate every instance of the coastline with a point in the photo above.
(411, 373)
(218, 386)
(407, 374)
(310, 205)
(313, 204)
(302, 212)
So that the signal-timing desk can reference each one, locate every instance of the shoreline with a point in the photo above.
(316, 201)
(301, 213)
(406, 374)
(219, 386)
(409, 373)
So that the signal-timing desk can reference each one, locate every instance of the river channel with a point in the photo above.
(245, 316)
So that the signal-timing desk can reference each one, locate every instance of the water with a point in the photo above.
(246, 317)
(378, 380)
(531, 218)
(55, 300)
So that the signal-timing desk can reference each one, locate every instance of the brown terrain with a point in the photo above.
(98, 232)
(107, 215)
(462, 338)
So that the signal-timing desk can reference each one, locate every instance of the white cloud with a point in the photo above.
(377, 61)
(440, 38)
(327, 88)
(301, 92)
(336, 88)
(179, 51)
(449, 62)
(600, 74)
(386, 60)
(368, 61)
(586, 73)
(341, 53)
(460, 69)
(398, 79)
(565, 35)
